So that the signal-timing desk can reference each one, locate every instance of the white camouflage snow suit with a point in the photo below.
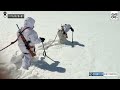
(31, 36)
(62, 33)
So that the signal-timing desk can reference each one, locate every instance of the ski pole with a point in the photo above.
(9, 44)
(72, 37)
(72, 40)
(44, 53)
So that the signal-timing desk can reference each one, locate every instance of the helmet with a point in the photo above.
(29, 22)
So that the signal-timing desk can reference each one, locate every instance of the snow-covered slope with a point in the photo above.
(96, 45)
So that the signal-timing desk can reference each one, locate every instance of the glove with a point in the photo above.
(72, 29)
(42, 39)
(64, 32)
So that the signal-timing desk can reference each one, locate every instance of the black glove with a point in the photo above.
(64, 32)
(72, 29)
(42, 39)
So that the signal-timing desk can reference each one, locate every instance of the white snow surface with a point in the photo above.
(94, 29)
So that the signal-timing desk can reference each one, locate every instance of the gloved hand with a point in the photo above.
(42, 39)
(64, 32)
(72, 29)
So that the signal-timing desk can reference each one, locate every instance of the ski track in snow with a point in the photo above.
(73, 69)
(71, 62)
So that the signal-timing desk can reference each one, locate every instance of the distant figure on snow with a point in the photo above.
(62, 33)
(31, 37)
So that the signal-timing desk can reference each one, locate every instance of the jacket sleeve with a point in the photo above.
(34, 37)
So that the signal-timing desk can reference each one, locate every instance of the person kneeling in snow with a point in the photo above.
(31, 37)
(62, 33)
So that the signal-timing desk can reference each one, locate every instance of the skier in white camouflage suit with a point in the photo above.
(31, 37)
(62, 33)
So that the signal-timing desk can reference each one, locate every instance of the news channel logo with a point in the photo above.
(96, 73)
(18, 16)
(103, 74)
(114, 15)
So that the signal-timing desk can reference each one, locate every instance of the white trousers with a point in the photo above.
(62, 37)
(26, 61)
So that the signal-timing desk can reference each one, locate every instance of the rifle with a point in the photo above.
(26, 43)
(12, 42)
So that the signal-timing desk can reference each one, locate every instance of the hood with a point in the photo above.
(29, 22)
